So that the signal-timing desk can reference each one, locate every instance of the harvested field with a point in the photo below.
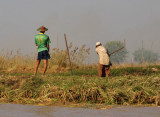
(126, 86)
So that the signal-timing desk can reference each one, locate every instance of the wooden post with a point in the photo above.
(68, 54)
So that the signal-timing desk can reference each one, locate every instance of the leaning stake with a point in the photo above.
(68, 54)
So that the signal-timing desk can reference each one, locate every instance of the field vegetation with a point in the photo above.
(128, 84)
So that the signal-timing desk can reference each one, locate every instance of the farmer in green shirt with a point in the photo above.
(42, 41)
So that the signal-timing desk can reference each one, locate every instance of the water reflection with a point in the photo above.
(15, 110)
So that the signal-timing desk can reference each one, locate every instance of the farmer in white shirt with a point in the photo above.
(104, 62)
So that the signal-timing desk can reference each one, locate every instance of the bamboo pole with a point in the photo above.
(118, 49)
(68, 53)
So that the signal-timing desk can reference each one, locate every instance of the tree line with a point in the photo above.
(140, 55)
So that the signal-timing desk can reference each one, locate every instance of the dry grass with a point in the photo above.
(129, 84)
(126, 90)
(16, 62)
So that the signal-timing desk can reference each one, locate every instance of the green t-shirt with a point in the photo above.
(42, 41)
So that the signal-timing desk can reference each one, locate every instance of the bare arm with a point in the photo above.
(108, 53)
(48, 47)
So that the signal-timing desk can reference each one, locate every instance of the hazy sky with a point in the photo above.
(84, 21)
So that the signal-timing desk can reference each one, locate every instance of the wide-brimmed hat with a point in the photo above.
(42, 28)
(98, 43)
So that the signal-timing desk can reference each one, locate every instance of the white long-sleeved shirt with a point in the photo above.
(103, 56)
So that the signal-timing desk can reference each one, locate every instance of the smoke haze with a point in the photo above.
(84, 22)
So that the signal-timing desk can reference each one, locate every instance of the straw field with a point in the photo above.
(128, 84)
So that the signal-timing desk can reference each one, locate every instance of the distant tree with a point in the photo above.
(143, 55)
(119, 56)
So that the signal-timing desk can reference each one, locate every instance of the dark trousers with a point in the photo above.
(103, 70)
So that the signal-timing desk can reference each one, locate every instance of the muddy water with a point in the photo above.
(14, 110)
